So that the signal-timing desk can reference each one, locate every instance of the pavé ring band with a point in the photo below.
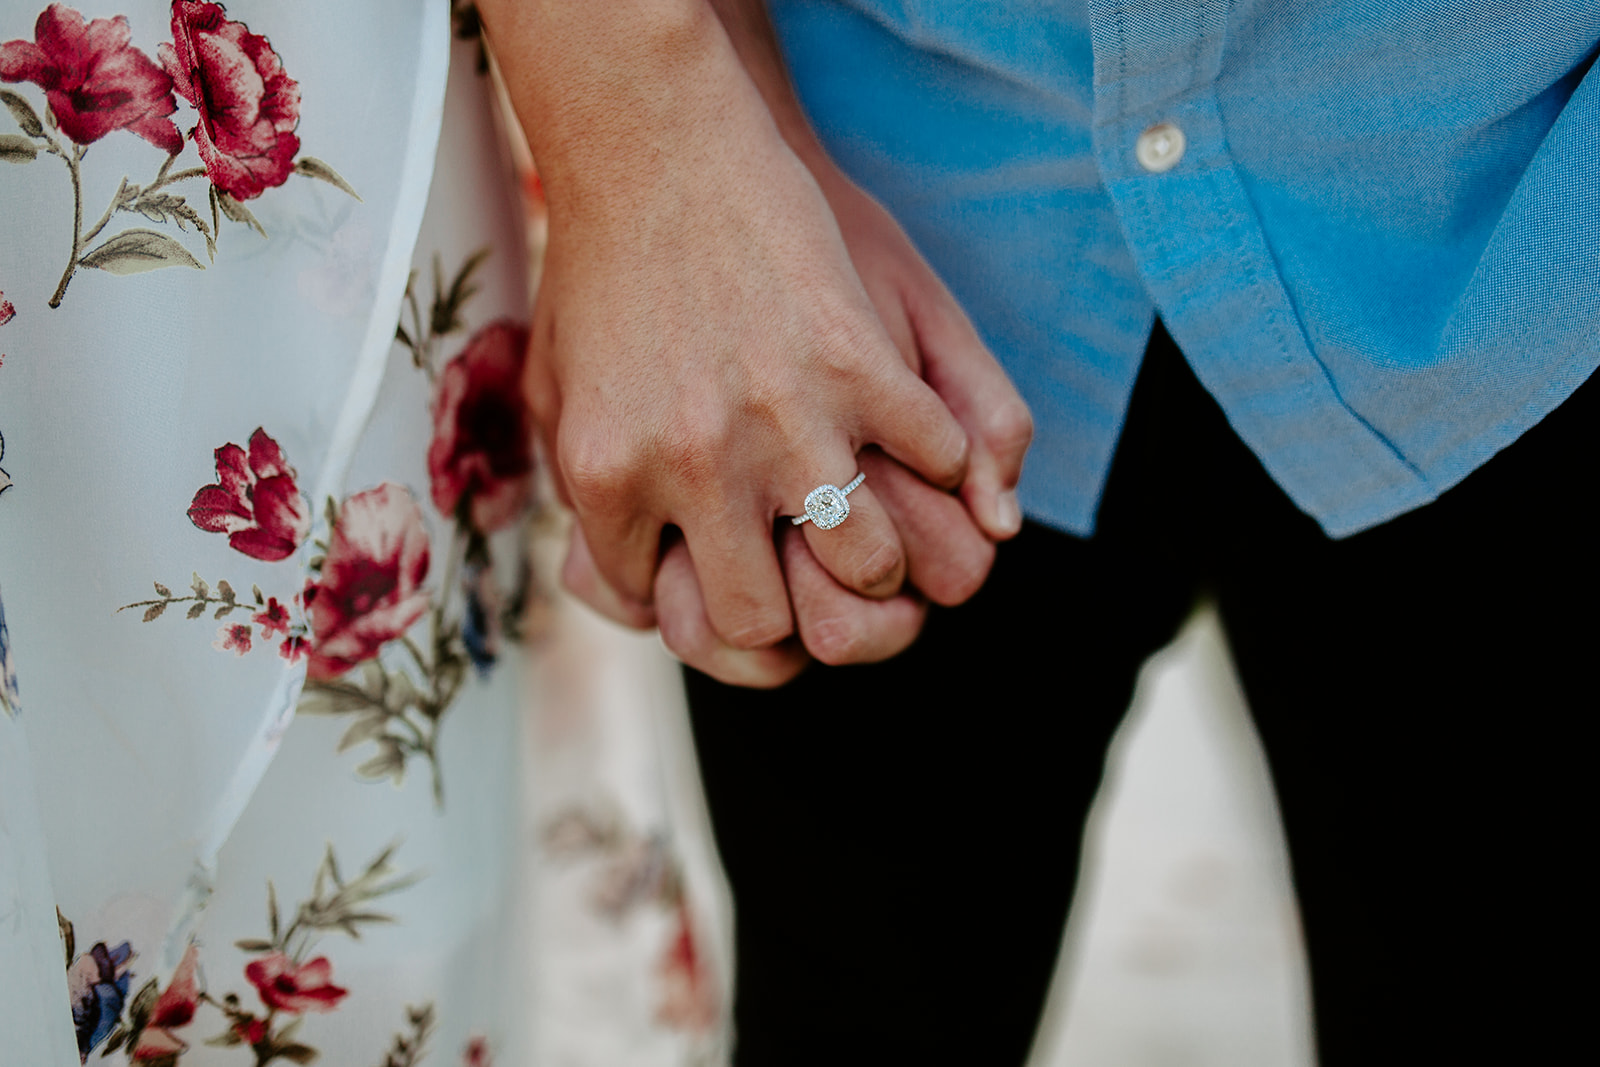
(826, 504)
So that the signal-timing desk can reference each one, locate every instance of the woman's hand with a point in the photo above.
(705, 353)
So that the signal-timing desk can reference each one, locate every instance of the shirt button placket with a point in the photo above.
(1160, 147)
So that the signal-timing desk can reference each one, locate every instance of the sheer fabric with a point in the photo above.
(264, 788)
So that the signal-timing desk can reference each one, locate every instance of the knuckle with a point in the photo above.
(598, 470)
(766, 669)
(841, 335)
(693, 446)
(756, 630)
(683, 638)
(882, 566)
(952, 451)
(853, 352)
(774, 673)
(1008, 427)
(835, 640)
(962, 577)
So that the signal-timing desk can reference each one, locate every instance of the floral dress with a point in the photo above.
(265, 493)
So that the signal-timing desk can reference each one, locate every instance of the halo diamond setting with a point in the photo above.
(827, 506)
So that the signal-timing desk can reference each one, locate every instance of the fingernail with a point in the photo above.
(1007, 513)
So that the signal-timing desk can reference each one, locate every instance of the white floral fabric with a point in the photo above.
(278, 783)
(233, 490)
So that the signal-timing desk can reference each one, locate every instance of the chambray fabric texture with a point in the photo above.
(1380, 249)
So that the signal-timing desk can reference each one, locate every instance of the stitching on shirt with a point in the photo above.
(1237, 223)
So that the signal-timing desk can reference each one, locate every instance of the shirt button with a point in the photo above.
(1160, 147)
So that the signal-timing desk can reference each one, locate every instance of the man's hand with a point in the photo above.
(922, 317)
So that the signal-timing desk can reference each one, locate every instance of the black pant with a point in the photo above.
(903, 839)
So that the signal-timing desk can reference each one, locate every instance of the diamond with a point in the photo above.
(826, 506)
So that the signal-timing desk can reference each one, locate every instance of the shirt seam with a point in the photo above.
(1273, 314)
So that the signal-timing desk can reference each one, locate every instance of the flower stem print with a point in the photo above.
(381, 645)
(367, 596)
(642, 870)
(96, 83)
(257, 502)
(411, 1045)
(133, 250)
(201, 598)
(5, 479)
(287, 984)
(444, 313)
(8, 312)
(480, 469)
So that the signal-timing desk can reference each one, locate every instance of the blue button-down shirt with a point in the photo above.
(1379, 247)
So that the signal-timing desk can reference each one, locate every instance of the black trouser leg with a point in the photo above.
(1420, 689)
(902, 840)
(903, 852)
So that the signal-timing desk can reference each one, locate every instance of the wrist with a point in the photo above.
(625, 102)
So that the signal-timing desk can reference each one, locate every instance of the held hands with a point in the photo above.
(722, 331)
(941, 544)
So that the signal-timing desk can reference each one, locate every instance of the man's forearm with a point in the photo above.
(750, 30)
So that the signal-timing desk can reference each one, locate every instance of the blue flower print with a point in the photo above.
(97, 985)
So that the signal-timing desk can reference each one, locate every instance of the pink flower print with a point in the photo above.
(273, 619)
(370, 590)
(174, 1008)
(480, 462)
(94, 80)
(233, 637)
(287, 986)
(688, 999)
(476, 1054)
(248, 106)
(294, 648)
(255, 501)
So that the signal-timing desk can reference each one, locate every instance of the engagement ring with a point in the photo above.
(826, 504)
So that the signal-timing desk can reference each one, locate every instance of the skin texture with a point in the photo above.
(708, 346)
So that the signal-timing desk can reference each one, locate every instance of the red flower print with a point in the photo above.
(688, 1001)
(248, 106)
(173, 1009)
(233, 637)
(95, 81)
(274, 619)
(480, 463)
(294, 647)
(370, 591)
(288, 986)
(251, 1031)
(255, 501)
(8, 310)
(476, 1054)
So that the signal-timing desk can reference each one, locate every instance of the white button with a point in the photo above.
(1160, 147)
